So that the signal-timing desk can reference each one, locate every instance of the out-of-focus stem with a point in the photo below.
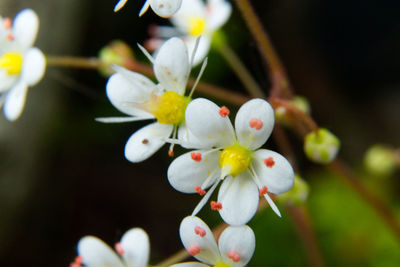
(203, 87)
(303, 225)
(348, 177)
(240, 70)
(279, 78)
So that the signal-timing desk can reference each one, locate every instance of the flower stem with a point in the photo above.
(239, 68)
(279, 78)
(300, 215)
(350, 179)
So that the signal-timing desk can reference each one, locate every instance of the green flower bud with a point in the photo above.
(298, 194)
(380, 160)
(300, 102)
(117, 52)
(321, 147)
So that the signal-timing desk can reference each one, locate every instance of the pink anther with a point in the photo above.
(216, 205)
(119, 249)
(200, 191)
(7, 23)
(170, 153)
(193, 250)
(200, 231)
(77, 262)
(10, 37)
(263, 191)
(224, 111)
(269, 162)
(256, 123)
(196, 156)
(233, 256)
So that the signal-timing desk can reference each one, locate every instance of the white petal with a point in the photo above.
(239, 199)
(190, 264)
(120, 5)
(184, 174)
(15, 101)
(165, 8)
(208, 247)
(95, 252)
(122, 119)
(171, 65)
(7, 81)
(146, 141)
(33, 67)
(144, 8)
(126, 88)
(240, 240)
(218, 13)
(188, 139)
(136, 246)
(189, 9)
(259, 112)
(280, 177)
(25, 28)
(202, 49)
(204, 121)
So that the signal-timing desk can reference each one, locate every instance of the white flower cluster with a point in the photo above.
(222, 154)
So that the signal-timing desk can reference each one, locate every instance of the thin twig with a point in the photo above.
(279, 78)
(305, 231)
(381, 208)
(240, 70)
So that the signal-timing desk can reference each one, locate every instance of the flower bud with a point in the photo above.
(321, 147)
(118, 53)
(380, 160)
(298, 194)
(300, 102)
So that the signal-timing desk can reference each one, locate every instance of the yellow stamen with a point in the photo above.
(11, 62)
(196, 26)
(235, 158)
(221, 264)
(170, 108)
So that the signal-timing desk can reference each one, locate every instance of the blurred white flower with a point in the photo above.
(235, 245)
(137, 96)
(232, 156)
(163, 8)
(133, 250)
(193, 19)
(21, 65)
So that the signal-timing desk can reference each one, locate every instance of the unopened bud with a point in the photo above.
(298, 194)
(321, 146)
(118, 53)
(380, 160)
(299, 102)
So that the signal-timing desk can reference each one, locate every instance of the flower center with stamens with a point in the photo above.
(221, 264)
(196, 26)
(11, 63)
(235, 158)
(170, 108)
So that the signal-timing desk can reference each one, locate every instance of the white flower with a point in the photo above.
(163, 8)
(21, 65)
(235, 245)
(134, 250)
(137, 96)
(193, 19)
(233, 156)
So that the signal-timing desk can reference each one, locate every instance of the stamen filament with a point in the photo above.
(203, 67)
(205, 198)
(144, 51)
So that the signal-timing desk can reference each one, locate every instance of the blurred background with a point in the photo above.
(63, 175)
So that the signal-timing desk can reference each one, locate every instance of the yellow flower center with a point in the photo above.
(11, 62)
(170, 108)
(235, 158)
(196, 26)
(221, 264)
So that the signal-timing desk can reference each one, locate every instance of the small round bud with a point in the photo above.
(380, 160)
(299, 102)
(117, 52)
(298, 194)
(321, 147)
